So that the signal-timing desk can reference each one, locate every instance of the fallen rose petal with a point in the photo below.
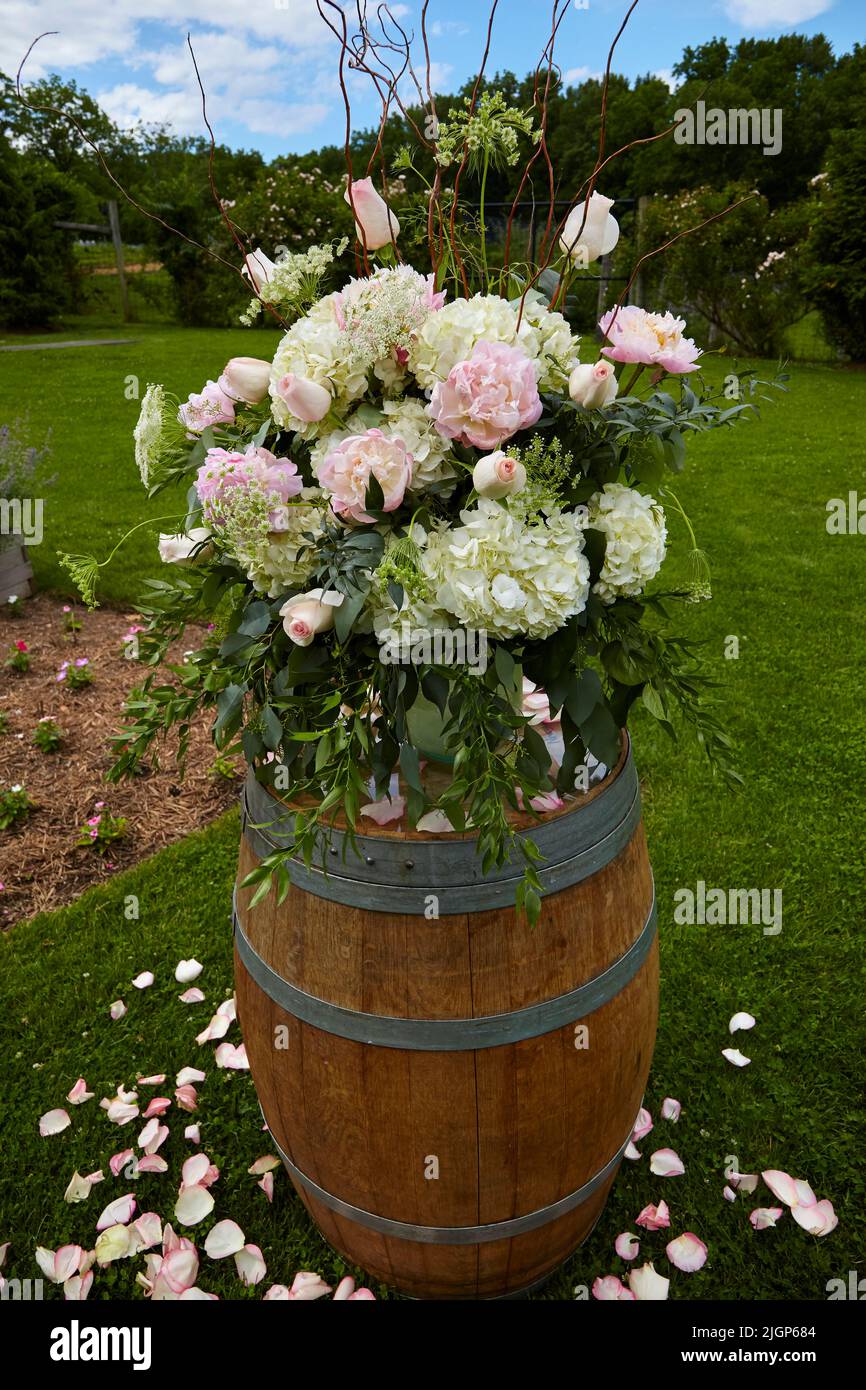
(743, 1182)
(119, 1212)
(782, 1185)
(151, 1129)
(642, 1125)
(121, 1113)
(78, 1189)
(193, 1205)
(187, 971)
(228, 1009)
(158, 1139)
(671, 1109)
(805, 1195)
(627, 1246)
(127, 1097)
(115, 1243)
(53, 1122)
(646, 1285)
(191, 996)
(654, 1218)
(735, 1058)
(729, 1194)
(189, 1075)
(144, 980)
(764, 1217)
(76, 1289)
(195, 1170)
(307, 1287)
(148, 1229)
(277, 1293)
(179, 1269)
(186, 1098)
(631, 1152)
(79, 1093)
(434, 823)
(687, 1253)
(151, 1080)
(664, 1163)
(385, 811)
(118, 1160)
(819, 1219)
(195, 1294)
(267, 1185)
(226, 1238)
(118, 1009)
(193, 1134)
(217, 1028)
(610, 1289)
(266, 1164)
(367, 1296)
(740, 1021)
(250, 1265)
(157, 1106)
(234, 1058)
(67, 1262)
(152, 1163)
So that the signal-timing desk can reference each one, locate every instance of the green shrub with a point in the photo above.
(834, 274)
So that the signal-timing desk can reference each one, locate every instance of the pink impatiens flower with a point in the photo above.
(656, 340)
(488, 398)
(346, 472)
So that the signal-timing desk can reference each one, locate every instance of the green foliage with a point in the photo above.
(48, 735)
(101, 830)
(15, 804)
(36, 261)
(834, 272)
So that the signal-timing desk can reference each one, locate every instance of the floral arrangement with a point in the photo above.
(432, 463)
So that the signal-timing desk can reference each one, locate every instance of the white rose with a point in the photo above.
(309, 614)
(599, 235)
(497, 475)
(177, 550)
(246, 379)
(593, 386)
(258, 269)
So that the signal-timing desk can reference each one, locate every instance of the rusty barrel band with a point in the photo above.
(456, 1235)
(396, 876)
(449, 1034)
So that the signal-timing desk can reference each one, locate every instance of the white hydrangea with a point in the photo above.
(449, 336)
(272, 560)
(506, 575)
(403, 418)
(314, 347)
(634, 525)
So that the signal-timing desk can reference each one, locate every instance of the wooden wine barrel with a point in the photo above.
(452, 1094)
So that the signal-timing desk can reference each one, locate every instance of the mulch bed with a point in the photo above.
(41, 867)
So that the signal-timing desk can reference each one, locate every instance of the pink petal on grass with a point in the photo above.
(250, 1265)
(347, 1293)
(782, 1185)
(665, 1163)
(687, 1253)
(186, 1098)
(144, 980)
(762, 1218)
(157, 1106)
(119, 1160)
(198, 1169)
(118, 1009)
(79, 1093)
(187, 1075)
(267, 1185)
(819, 1219)
(741, 1020)
(179, 1269)
(76, 1289)
(193, 1134)
(191, 996)
(277, 1293)
(631, 1152)
(148, 1230)
(217, 1028)
(151, 1080)
(152, 1163)
(121, 1113)
(671, 1109)
(654, 1218)
(266, 1164)
(226, 1238)
(385, 811)
(743, 1182)
(608, 1288)
(729, 1194)
(234, 1058)
(307, 1287)
(646, 1285)
(188, 970)
(115, 1243)
(735, 1058)
(158, 1139)
(193, 1205)
(805, 1195)
(627, 1246)
(228, 1009)
(118, 1213)
(53, 1122)
(642, 1125)
(78, 1189)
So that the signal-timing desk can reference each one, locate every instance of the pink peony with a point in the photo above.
(210, 407)
(223, 471)
(348, 468)
(488, 398)
(653, 339)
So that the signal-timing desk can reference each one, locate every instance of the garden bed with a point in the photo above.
(41, 864)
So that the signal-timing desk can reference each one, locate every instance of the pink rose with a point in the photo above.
(210, 407)
(224, 471)
(653, 339)
(308, 614)
(306, 399)
(246, 379)
(593, 386)
(488, 398)
(347, 470)
(374, 220)
(497, 475)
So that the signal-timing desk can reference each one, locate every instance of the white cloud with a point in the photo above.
(574, 76)
(774, 14)
(666, 75)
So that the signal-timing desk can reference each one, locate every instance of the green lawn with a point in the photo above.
(790, 592)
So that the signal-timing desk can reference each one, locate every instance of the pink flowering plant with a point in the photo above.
(429, 449)
(19, 658)
(102, 829)
(75, 675)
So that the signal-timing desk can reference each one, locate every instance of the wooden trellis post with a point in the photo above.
(110, 229)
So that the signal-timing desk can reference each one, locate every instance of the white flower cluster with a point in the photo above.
(148, 432)
(315, 348)
(505, 575)
(272, 558)
(384, 314)
(406, 418)
(634, 525)
(450, 336)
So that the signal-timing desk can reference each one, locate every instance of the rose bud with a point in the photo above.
(177, 550)
(306, 399)
(593, 386)
(497, 475)
(375, 222)
(599, 235)
(308, 614)
(258, 268)
(246, 379)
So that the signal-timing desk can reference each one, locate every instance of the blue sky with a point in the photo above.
(270, 65)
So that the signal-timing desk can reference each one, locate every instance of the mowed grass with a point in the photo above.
(791, 593)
